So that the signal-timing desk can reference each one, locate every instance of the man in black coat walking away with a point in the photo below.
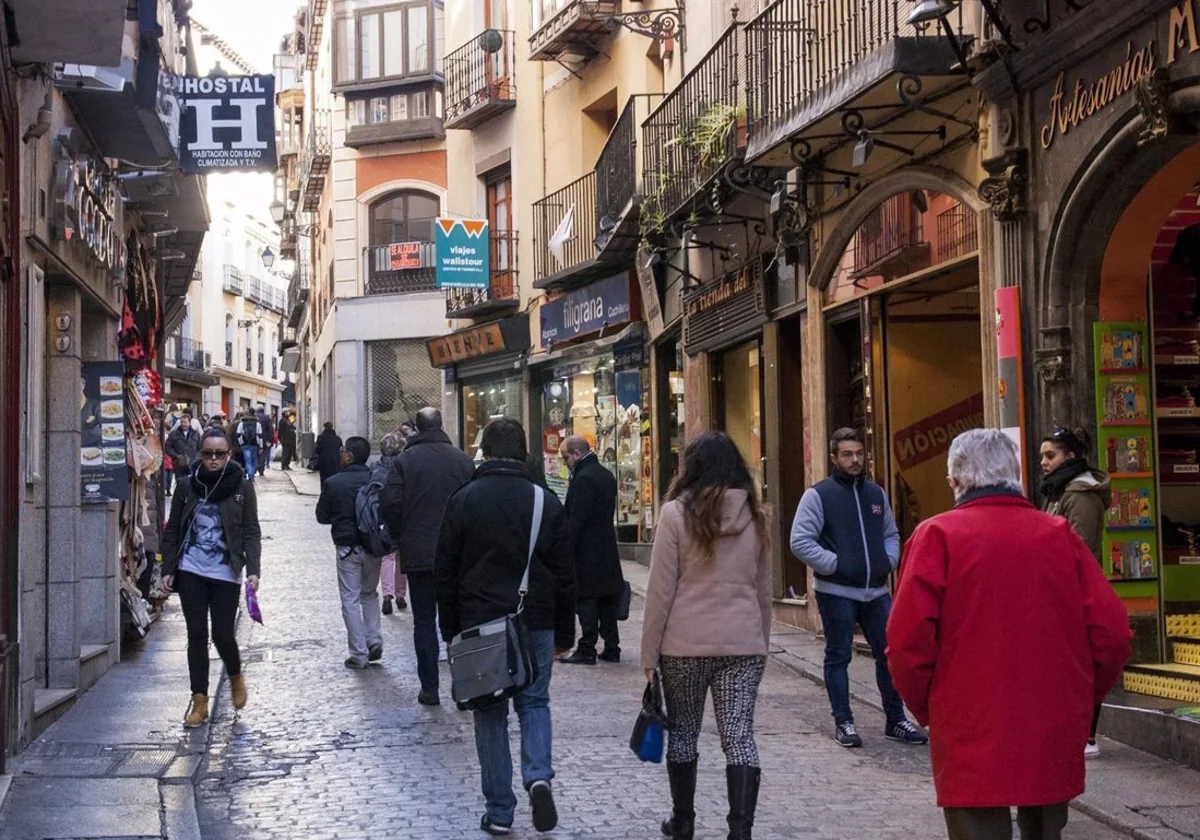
(481, 558)
(287, 440)
(411, 504)
(357, 569)
(183, 445)
(329, 453)
(268, 440)
(592, 537)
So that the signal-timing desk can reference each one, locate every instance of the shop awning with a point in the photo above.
(587, 348)
(196, 377)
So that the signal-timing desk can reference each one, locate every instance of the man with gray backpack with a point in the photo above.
(357, 562)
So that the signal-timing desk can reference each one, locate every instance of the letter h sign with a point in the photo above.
(230, 126)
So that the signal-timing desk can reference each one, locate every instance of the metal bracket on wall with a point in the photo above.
(659, 24)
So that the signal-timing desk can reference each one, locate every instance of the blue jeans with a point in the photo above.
(250, 453)
(839, 615)
(491, 736)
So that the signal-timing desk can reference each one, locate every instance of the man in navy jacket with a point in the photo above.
(845, 531)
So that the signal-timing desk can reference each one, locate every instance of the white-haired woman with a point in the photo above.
(392, 580)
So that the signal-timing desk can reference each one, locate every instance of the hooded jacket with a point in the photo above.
(708, 607)
(239, 519)
(1083, 503)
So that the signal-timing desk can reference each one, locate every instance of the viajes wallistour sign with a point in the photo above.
(463, 259)
(228, 123)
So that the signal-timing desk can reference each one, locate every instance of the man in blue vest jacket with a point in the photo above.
(844, 530)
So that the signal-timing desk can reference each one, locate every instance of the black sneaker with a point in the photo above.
(905, 732)
(494, 828)
(610, 656)
(374, 653)
(401, 604)
(847, 736)
(387, 604)
(545, 815)
(355, 664)
(429, 698)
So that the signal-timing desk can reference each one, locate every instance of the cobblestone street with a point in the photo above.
(323, 752)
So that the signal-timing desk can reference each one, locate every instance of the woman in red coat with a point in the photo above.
(1003, 636)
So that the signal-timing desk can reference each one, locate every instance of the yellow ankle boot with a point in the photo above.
(237, 687)
(197, 712)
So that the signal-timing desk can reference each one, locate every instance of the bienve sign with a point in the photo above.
(228, 123)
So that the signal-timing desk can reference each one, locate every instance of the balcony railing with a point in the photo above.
(502, 293)
(697, 129)
(298, 292)
(800, 49)
(249, 361)
(401, 268)
(261, 292)
(186, 353)
(575, 243)
(274, 367)
(228, 354)
(893, 229)
(569, 25)
(235, 280)
(262, 364)
(957, 233)
(480, 79)
(619, 167)
(317, 152)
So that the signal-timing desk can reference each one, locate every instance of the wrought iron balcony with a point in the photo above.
(619, 177)
(274, 367)
(228, 354)
(569, 27)
(564, 234)
(480, 79)
(317, 156)
(502, 294)
(401, 268)
(298, 292)
(891, 241)
(265, 294)
(186, 354)
(249, 361)
(957, 233)
(697, 130)
(811, 61)
(235, 280)
(262, 367)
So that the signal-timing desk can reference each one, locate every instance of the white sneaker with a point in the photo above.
(1092, 750)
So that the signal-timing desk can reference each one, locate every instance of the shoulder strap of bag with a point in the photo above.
(538, 503)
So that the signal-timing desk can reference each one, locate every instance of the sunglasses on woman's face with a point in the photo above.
(214, 454)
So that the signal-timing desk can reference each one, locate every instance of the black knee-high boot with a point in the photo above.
(681, 825)
(742, 784)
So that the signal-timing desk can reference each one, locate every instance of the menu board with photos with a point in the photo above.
(103, 475)
(1126, 451)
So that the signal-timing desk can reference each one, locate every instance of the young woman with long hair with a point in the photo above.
(212, 538)
(708, 621)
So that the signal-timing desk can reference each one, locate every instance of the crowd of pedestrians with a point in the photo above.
(994, 593)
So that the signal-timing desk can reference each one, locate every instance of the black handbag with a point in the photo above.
(623, 601)
(493, 661)
(652, 722)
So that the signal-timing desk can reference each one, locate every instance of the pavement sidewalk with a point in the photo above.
(1133, 792)
(118, 764)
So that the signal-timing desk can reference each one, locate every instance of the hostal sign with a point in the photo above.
(87, 209)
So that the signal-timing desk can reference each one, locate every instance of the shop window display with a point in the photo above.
(485, 401)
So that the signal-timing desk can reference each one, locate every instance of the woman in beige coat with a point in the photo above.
(708, 621)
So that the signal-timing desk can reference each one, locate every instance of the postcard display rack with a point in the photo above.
(1124, 408)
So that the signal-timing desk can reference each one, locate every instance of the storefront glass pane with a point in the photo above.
(741, 408)
(484, 401)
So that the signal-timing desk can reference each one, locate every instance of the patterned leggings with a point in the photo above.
(734, 682)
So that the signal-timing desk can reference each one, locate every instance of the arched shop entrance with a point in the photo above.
(904, 343)
(1145, 356)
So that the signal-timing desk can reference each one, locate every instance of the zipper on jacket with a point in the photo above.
(862, 529)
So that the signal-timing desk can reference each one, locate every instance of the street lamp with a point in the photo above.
(249, 322)
(277, 210)
(268, 258)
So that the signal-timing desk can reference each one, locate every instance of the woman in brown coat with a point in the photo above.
(1081, 495)
(708, 621)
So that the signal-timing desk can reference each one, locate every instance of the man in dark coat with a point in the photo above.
(592, 537)
(481, 557)
(411, 504)
(287, 439)
(268, 440)
(329, 452)
(183, 445)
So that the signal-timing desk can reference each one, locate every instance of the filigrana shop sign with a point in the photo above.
(1073, 103)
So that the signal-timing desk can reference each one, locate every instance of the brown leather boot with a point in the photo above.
(237, 687)
(197, 712)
